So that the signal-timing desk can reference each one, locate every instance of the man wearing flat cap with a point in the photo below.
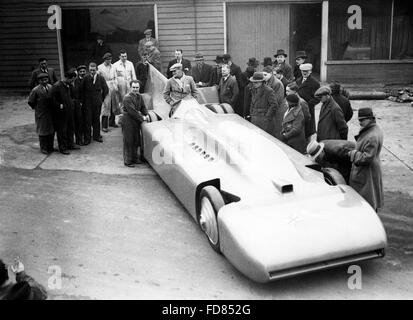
(186, 64)
(110, 105)
(331, 123)
(143, 41)
(79, 112)
(263, 103)
(366, 175)
(307, 86)
(282, 64)
(40, 101)
(292, 132)
(201, 72)
(179, 87)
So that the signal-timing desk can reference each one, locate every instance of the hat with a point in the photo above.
(292, 99)
(176, 66)
(257, 77)
(107, 55)
(148, 31)
(322, 91)
(253, 62)
(250, 71)
(267, 61)
(199, 57)
(306, 67)
(149, 44)
(300, 54)
(314, 149)
(280, 52)
(335, 86)
(293, 86)
(42, 75)
(99, 36)
(365, 113)
(219, 59)
(226, 56)
(82, 66)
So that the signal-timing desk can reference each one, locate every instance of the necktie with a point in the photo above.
(94, 79)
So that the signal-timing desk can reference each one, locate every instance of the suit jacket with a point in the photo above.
(307, 89)
(62, 99)
(94, 94)
(203, 75)
(228, 91)
(331, 123)
(293, 129)
(186, 67)
(174, 93)
(33, 79)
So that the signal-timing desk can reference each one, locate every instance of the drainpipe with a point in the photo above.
(196, 26)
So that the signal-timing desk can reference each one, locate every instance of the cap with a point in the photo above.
(107, 55)
(176, 66)
(42, 75)
(82, 66)
(292, 99)
(306, 67)
(149, 44)
(148, 31)
(322, 91)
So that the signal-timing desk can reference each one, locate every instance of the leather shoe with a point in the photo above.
(114, 126)
(64, 152)
(131, 165)
(105, 130)
(98, 140)
(137, 161)
(44, 151)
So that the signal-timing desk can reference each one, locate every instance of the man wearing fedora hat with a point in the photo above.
(202, 72)
(300, 58)
(40, 101)
(263, 103)
(331, 123)
(148, 38)
(280, 63)
(366, 175)
(307, 86)
(292, 132)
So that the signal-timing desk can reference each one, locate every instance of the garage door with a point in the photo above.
(257, 30)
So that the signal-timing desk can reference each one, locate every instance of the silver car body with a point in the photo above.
(282, 218)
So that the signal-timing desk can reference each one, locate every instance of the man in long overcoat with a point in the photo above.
(63, 104)
(263, 103)
(366, 176)
(40, 101)
(293, 88)
(307, 86)
(134, 113)
(94, 91)
(228, 91)
(331, 123)
(293, 125)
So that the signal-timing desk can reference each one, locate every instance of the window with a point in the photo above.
(121, 28)
(359, 30)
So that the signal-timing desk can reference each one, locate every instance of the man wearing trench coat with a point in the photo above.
(366, 176)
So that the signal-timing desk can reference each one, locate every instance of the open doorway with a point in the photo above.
(305, 33)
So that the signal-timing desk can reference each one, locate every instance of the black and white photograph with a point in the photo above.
(217, 150)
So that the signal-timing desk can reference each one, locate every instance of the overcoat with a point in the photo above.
(278, 88)
(203, 74)
(286, 69)
(366, 176)
(331, 123)
(307, 116)
(306, 91)
(263, 108)
(40, 100)
(293, 129)
(50, 71)
(228, 92)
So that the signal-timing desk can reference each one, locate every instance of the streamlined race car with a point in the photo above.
(267, 208)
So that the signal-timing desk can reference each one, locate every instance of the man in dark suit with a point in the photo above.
(186, 64)
(202, 72)
(43, 68)
(228, 89)
(79, 111)
(307, 86)
(94, 90)
(63, 104)
(300, 58)
(235, 70)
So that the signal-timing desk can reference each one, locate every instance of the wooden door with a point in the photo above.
(257, 30)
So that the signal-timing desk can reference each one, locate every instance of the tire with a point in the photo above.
(333, 177)
(210, 202)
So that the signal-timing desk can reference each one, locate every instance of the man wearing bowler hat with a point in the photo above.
(331, 123)
(40, 101)
(307, 86)
(280, 63)
(366, 176)
(143, 41)
(202, 72)
(300, 58)
(263, 103)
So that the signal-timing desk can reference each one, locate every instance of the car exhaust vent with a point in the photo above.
(283, 187)
(279, 274)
